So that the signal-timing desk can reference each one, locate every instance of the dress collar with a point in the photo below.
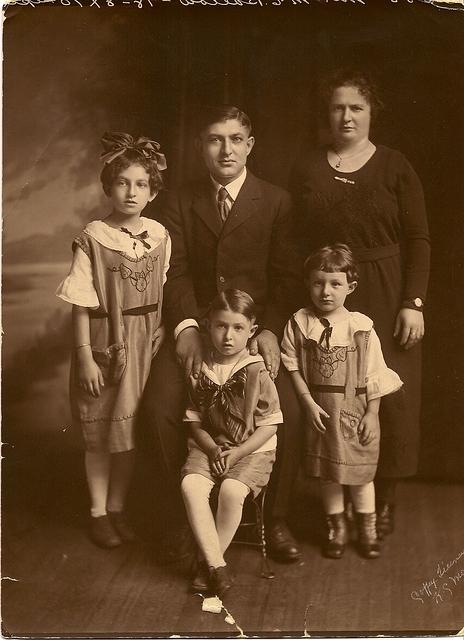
(342, 331)
(115, 239)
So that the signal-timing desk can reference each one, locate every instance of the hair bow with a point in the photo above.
(116, 143)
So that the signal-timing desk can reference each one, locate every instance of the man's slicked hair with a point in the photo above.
(221, 113)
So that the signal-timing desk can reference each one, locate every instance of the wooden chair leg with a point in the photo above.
(259, 530)
(266, 571)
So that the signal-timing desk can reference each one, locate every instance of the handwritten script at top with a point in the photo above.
(140, 4)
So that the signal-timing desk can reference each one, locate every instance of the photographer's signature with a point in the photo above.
(440, 588)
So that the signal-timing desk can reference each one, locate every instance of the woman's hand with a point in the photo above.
(368, 427)
(268, 346)
(90, 377)
(409, 327)
(314, 413)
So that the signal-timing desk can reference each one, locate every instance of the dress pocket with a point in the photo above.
(349, 423)
(112, 361)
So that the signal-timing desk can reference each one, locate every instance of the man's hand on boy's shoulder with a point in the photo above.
(189, 351)
(267, 345)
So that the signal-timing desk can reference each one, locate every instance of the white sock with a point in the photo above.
(196, 490)
(232, 495)
(332, 497)
(97, 468)
(363, 497)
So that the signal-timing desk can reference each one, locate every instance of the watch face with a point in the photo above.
(418, 303)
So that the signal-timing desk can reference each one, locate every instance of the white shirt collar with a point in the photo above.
(213, 370)
(233, 188)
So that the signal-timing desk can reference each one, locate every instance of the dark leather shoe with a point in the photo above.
(220, 580)
(281, 543)
(385, 518)
(337, 536)
(121, 526)
(200, 582)
(102, 533)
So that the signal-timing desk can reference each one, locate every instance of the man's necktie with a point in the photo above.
(223, 205)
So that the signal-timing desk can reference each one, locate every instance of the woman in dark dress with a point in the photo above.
(370, 198)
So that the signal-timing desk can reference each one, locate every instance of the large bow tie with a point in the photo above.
(138, 236)
(223, 397)
(211, 394)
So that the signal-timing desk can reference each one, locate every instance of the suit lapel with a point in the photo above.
(246, 204)
(204, 205)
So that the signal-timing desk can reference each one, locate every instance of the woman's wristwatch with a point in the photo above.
(413, 303)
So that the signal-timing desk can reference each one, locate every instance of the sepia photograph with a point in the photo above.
(232, 350)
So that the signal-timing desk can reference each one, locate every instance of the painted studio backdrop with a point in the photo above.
(71, 73)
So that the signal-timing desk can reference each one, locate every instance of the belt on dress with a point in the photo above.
(369, 254)
(135, 311)
(333, 388)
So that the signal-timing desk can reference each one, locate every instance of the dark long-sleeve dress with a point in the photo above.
(379, 211)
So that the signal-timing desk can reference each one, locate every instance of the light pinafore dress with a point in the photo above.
(128, 272)
(343, 367)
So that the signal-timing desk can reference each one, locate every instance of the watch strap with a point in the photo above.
(413, 303)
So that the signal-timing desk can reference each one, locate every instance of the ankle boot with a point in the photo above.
(369, 546)
(337, 536)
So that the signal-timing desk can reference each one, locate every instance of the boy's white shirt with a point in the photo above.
(380, 380)
(219, 374)
(78, 287)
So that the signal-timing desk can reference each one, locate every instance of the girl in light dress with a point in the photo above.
(335, 360)
(115, 285)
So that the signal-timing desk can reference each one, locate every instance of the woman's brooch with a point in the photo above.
(345, 180)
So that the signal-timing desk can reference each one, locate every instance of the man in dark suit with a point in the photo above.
(230, 230)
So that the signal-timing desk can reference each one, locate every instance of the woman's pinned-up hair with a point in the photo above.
(350, 77)
(121, 150)
(236, 301)
(332, 258)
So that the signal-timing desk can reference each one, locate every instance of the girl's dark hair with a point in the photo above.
(112, 170)
(234, 300)
(336, 257)
(347, 77)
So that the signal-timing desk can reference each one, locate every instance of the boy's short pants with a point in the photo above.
(253, 470)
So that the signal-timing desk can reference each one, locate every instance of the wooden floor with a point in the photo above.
(55, 582)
